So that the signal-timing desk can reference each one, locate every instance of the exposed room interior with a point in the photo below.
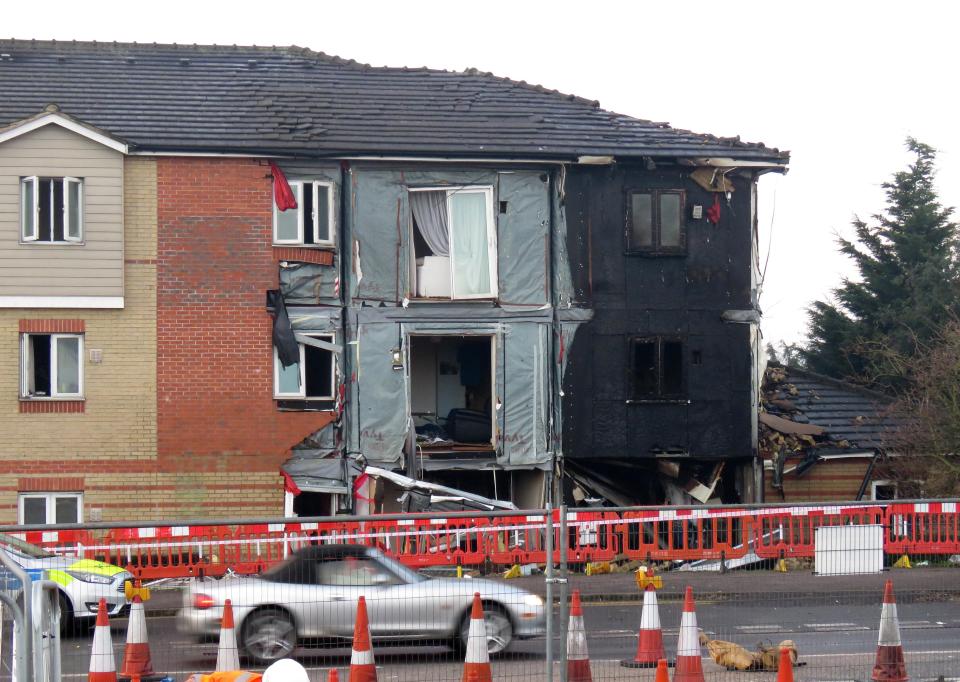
(451, 392)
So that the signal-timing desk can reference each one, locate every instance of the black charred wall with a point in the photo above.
(678, 297)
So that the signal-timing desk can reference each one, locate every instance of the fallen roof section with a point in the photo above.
(291, 100)
(802, 403)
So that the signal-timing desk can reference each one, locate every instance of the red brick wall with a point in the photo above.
(214, 358)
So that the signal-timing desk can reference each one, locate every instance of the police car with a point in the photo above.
(83, 582)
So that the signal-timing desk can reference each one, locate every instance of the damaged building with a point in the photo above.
(331, 288)
(823, 439)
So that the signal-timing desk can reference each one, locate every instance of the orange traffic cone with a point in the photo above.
(650, 644)
(785, 667)
(662, 674)
(333, 675)
(578, 660)
(228, 656)
(689, 667)
(103, 666)
(890, 666)
(362, 667)
(136, 656)
(476, 667)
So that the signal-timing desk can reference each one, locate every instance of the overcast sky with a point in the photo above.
(839, 84)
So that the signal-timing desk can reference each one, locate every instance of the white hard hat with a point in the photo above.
(285, 670)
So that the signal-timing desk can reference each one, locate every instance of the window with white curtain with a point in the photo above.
(49, 508)
(454, 242)
(51, 366)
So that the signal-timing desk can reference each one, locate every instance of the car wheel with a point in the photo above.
(498, 626)
(268, 635)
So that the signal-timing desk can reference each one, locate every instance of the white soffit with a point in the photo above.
(53, 118)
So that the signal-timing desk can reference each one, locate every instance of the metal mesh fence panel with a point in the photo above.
(813, 579)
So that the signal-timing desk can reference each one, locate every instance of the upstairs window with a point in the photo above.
(656, 367)
(655, 222)
(454, 243)
(312, 378)
(311, 223)
(51, 366)
(51, 210)
(50, 508)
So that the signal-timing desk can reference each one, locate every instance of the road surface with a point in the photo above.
(836, 640)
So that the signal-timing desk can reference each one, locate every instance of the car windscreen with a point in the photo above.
(25, 548)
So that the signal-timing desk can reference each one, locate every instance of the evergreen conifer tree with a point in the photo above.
(907, 289)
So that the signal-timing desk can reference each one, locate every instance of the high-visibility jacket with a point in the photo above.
(227, 676)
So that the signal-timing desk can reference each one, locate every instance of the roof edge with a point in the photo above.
(52, 115)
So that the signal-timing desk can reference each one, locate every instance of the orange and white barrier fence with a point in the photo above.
(659, 534)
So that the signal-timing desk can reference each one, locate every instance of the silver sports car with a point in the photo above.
(312, 598)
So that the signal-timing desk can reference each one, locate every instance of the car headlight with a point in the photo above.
(85, 577)
(532, 600)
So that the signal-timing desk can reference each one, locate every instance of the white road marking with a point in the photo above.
(916, 624)
(836, 626)
(759, 628)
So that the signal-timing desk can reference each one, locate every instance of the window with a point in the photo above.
(454, 242)
(51, 210)
(655, 222)
(883, 490)
(311, 223)
(353, 572)
(313, 378)
(51, 366)
(656, 366)
(48, 508)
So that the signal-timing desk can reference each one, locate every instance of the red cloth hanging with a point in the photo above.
(713, 213)
(282, 194)
(289, 485)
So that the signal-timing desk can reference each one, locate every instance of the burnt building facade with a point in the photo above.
(661, 385)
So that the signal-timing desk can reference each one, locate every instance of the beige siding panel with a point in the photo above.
(94, 268)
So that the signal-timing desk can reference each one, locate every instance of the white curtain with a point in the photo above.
(471, 257)
(430, 212)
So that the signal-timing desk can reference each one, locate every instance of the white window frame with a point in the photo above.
(35, 209)
(330, 214)
(487, 191)
(25, 367)
(51, 500)
(65, 181)
(297, 186)
(329, 337)
(881, 483)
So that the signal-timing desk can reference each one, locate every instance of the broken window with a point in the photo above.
(451, 390)
(313, 377)
(454, 243)
(312, 222)
(656, 366)
(49, 508)
(51, 366)
(655, 222)
(51, 210)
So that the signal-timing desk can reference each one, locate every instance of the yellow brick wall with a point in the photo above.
(112, 446)
(120, 419)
